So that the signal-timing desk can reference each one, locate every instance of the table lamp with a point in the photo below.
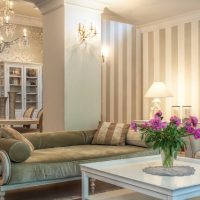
(156, 91)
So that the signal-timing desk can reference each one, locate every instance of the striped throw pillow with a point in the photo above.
(111, 133)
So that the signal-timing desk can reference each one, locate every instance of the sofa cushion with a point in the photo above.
(55, 139)
(12, 147)
(89, 135)
(134, 138)
(192, 146)
(63, 162)
(7, 132)
(111, 133)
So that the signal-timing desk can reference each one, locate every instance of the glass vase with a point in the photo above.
(167, 158)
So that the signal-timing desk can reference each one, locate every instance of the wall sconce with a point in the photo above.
(104, 53)
(86, 33)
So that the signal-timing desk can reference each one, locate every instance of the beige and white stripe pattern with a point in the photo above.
(172, 55)
(111, 133)
(121, 77)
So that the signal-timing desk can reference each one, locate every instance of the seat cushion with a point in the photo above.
(63, 162)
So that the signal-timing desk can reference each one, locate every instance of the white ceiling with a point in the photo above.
(145, 11)
(137, 11)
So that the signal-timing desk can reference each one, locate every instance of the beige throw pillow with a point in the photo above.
(111, 133)
(134, 138)
(7, 132)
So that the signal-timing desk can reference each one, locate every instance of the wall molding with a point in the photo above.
(112, 16)
(47, 6)
(27, 20)
(91, 4)
(171, 21)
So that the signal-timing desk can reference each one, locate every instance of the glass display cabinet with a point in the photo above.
(26, 80)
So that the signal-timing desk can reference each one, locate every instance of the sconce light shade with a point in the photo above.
(104, 53)
(158, 90)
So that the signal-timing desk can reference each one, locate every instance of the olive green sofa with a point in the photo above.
(56, 158)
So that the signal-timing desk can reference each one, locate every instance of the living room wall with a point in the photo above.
(121, 73)
(171, 53)
(34, 53)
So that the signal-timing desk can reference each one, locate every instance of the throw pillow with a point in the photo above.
(7, 132)
(17, 151)
(134, 138)
(111, 133)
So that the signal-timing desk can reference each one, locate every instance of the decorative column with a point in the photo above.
(73, 102)
(12, 101)
(3, 107)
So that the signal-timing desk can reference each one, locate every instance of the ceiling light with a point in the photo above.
(7, 29)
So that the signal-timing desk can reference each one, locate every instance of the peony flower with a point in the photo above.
(194, 120)
(145, 125)
(133, 126)
(188, 123)
(164, 125)
(197, 134)
(190, 129)
(175, 120)
(157, 124)
(158, 114)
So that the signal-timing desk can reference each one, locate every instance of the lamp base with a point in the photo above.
(155, 107)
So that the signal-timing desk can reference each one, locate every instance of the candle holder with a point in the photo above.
(186, 112)
(176, 111)
(86, 33)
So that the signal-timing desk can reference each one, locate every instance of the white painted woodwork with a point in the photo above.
(128, 173)
(7, 66)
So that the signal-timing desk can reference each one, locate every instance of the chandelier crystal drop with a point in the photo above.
(8, 35)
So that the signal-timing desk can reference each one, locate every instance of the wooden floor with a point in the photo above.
(65, 191)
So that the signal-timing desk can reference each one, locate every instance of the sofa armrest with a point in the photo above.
(192, 146)
(5, 168)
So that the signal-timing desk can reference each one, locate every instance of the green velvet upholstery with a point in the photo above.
(56, 139)
(63, 162)
(89, 135)
(8, 132)
(17, 151)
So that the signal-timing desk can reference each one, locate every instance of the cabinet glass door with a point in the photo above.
(15, 84)
(31, 87)
(2, 82)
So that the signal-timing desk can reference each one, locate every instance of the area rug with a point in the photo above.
(121, 194)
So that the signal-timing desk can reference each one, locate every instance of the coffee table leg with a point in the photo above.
(85, 186)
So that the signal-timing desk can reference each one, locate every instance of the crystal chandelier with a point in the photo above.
(7, 29)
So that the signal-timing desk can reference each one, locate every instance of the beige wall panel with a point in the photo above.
(121, 76)
(179, 63)
(188, 66)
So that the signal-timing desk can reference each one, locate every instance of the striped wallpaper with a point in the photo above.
(121, 75)
(172, 55)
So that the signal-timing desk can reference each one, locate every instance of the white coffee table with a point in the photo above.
(128, 173)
